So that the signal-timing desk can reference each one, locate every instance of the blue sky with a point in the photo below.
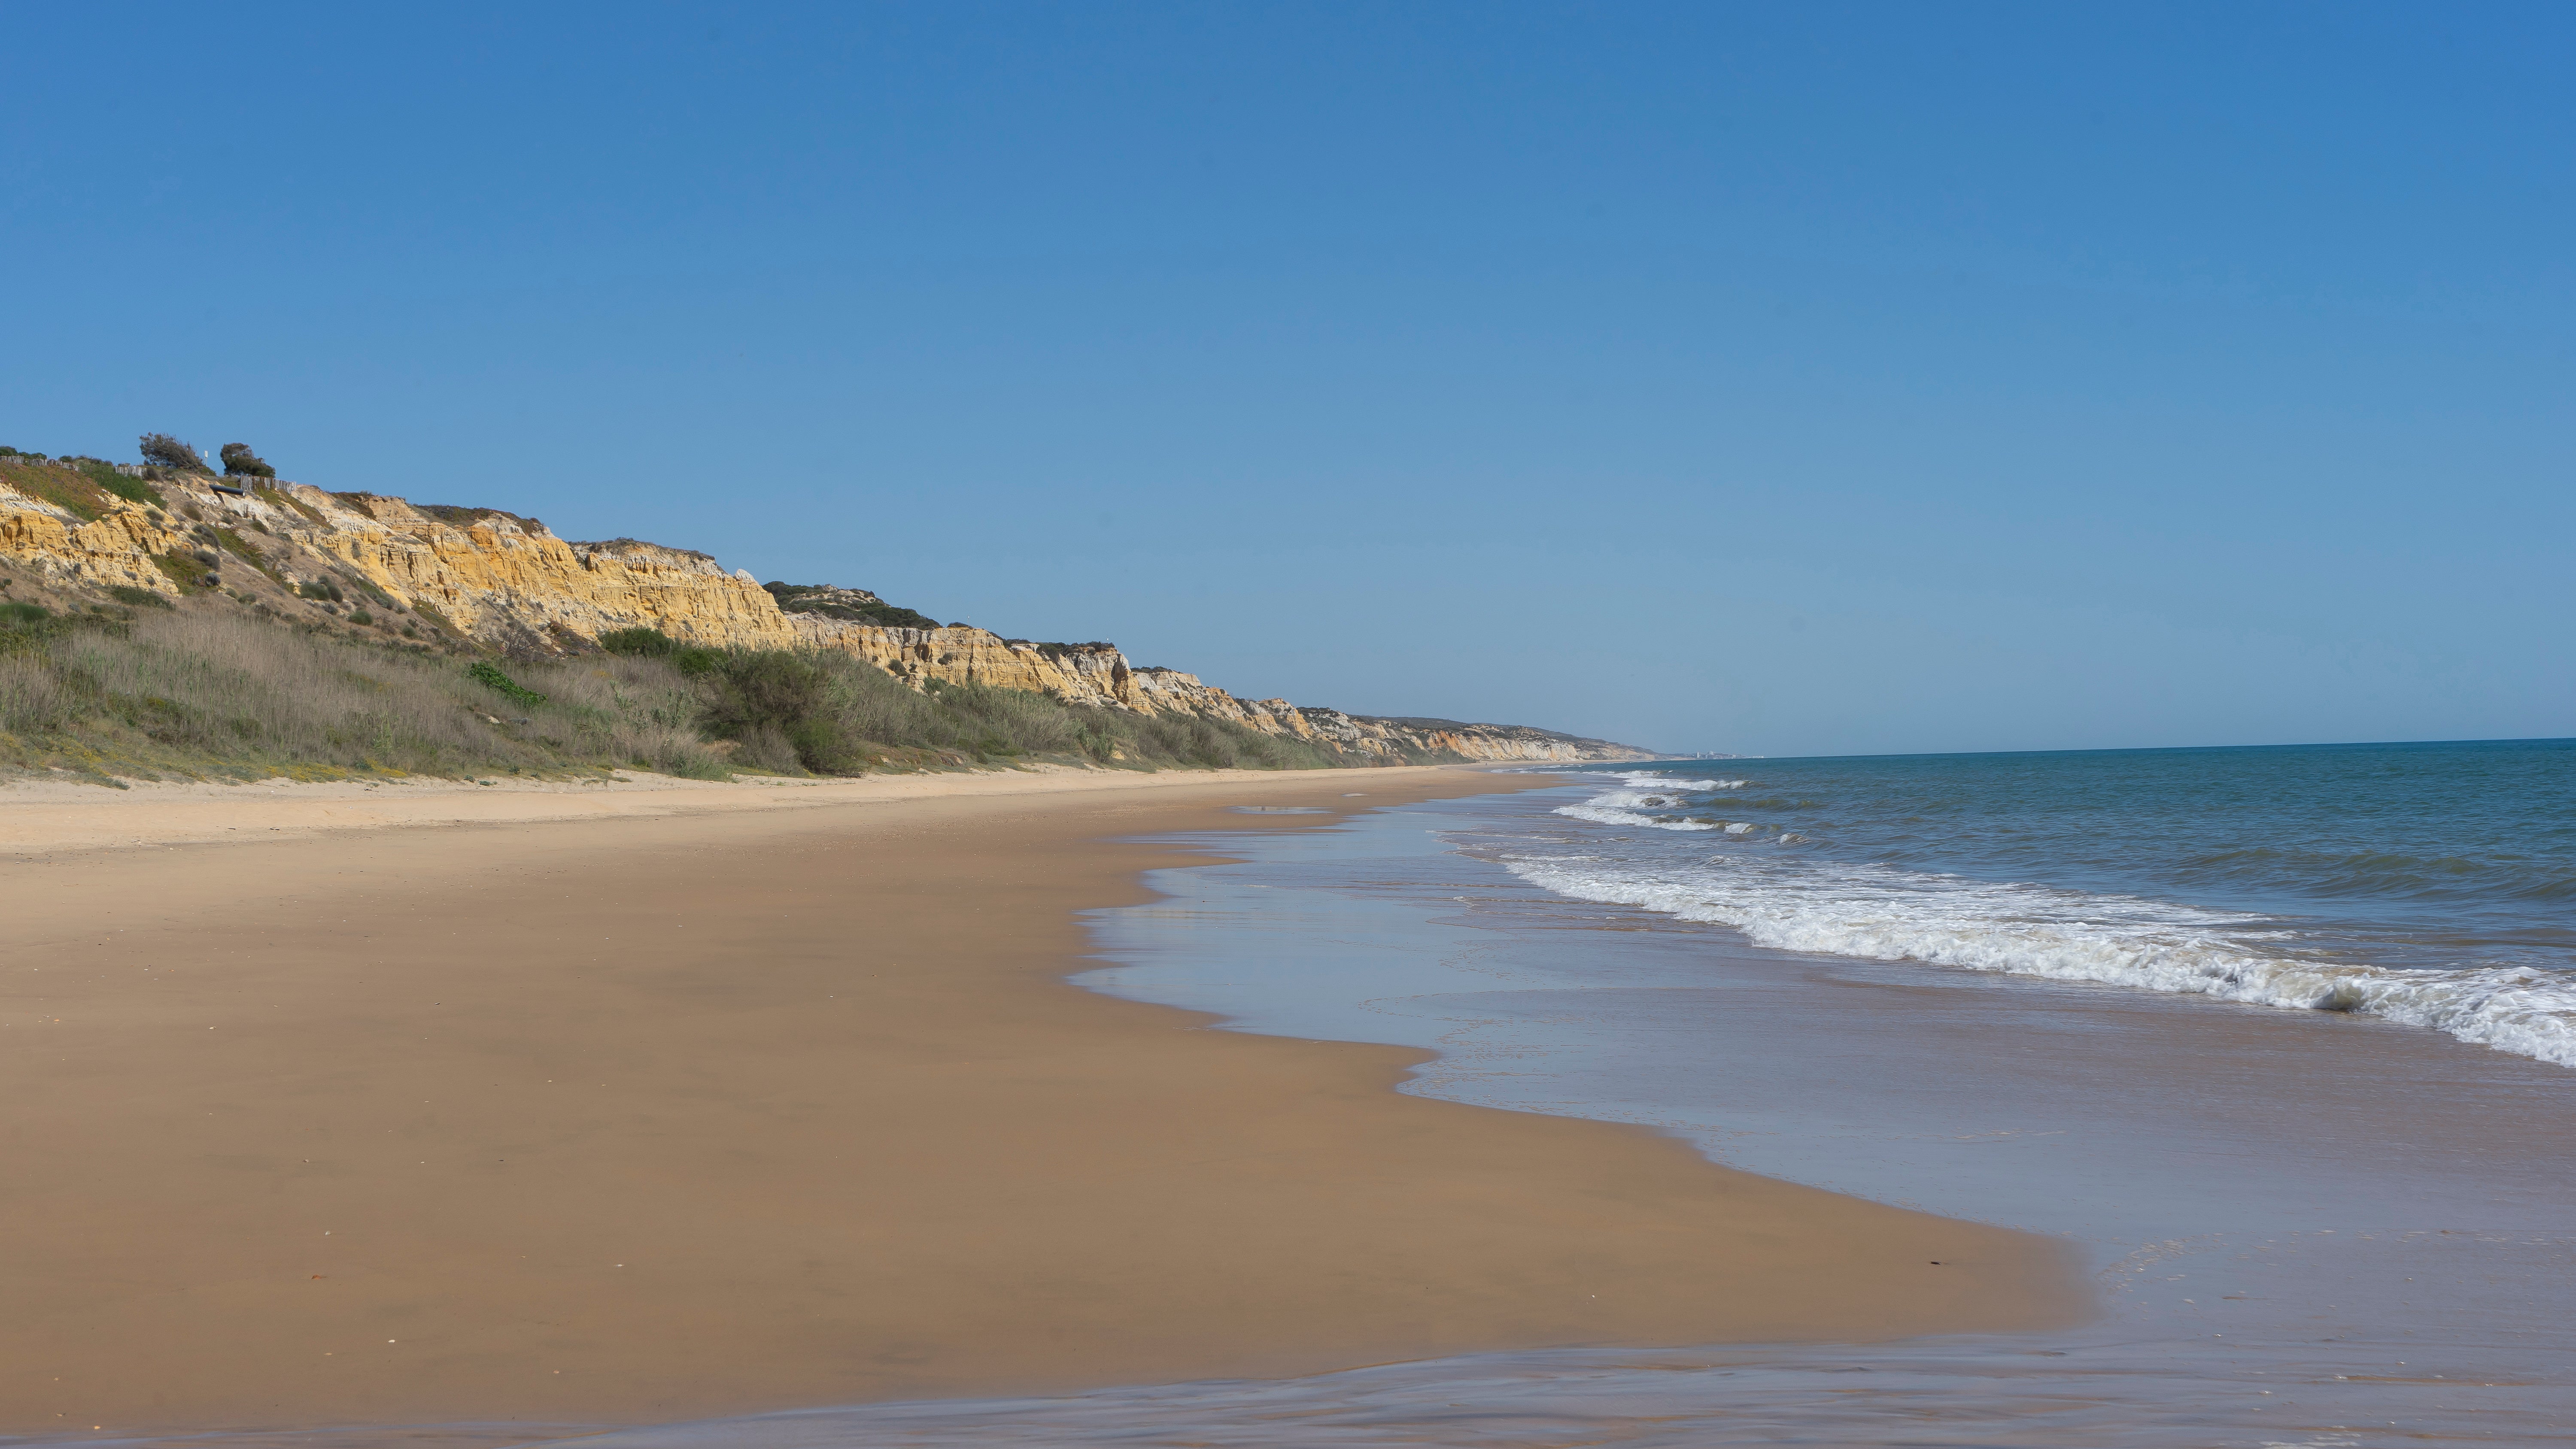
(1783, 379)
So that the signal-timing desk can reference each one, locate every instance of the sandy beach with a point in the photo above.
(334, 1105)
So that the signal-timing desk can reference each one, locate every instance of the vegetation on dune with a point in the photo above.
(488, 674)
(138, 598)
(149, 692)
(199, 694)
(186, 570)
(826, 712)
(146, 685)
(81, 489)
(465, 517)
(281, 499)
(231, 542)
(326, 674)
(833, 603)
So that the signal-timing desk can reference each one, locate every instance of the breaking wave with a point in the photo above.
(1654, 800)
(1798, 900)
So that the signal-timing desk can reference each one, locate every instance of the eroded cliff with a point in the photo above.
(502, 582)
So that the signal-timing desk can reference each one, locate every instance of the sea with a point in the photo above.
(2432, 885)
(2281, 1040)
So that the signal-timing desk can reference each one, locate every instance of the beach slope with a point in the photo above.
(652, 1116)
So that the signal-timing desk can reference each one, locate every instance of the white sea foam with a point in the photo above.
(1648, 779)
(1792, 901)
(1659, 801)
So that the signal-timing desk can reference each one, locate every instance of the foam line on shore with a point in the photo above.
(1792, 900)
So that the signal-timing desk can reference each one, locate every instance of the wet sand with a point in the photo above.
(657, 1116)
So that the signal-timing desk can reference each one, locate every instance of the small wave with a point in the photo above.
(1885, 914)
(1636, 807)
(1648, 779)
(1661, 802)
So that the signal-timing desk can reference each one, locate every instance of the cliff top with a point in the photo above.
(858, 606)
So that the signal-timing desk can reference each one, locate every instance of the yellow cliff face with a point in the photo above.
(504, 580)
(510, 584)
(116, 550)
(511, 581)
(962, 654)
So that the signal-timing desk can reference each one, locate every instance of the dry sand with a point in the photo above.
(689, 1109)
(42, 816)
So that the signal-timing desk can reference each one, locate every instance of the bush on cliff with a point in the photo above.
(164, 451)
(834, 603)
(241, 462)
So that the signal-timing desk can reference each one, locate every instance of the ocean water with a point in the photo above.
(2276, 1038)
(2429, 884)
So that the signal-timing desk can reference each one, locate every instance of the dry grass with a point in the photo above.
(206, 694)
(829, 712)
(198, 693)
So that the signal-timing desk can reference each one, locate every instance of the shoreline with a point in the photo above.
(329, 1128)
(38, 817)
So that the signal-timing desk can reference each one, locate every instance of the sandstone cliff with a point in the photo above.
(491, 579)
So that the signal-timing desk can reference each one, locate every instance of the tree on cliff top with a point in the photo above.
(241, 462)
(162, 450)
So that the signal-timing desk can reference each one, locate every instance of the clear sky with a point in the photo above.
(1783, 379)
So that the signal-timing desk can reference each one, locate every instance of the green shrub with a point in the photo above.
(132, 490)
(25, 628)
(775, 705)
(233, 543)
(827, 601)
(185, 571)
(164, 451)
(321, 588)
(643, 642)
(138, 598)
(241, 462)
(489, 673)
